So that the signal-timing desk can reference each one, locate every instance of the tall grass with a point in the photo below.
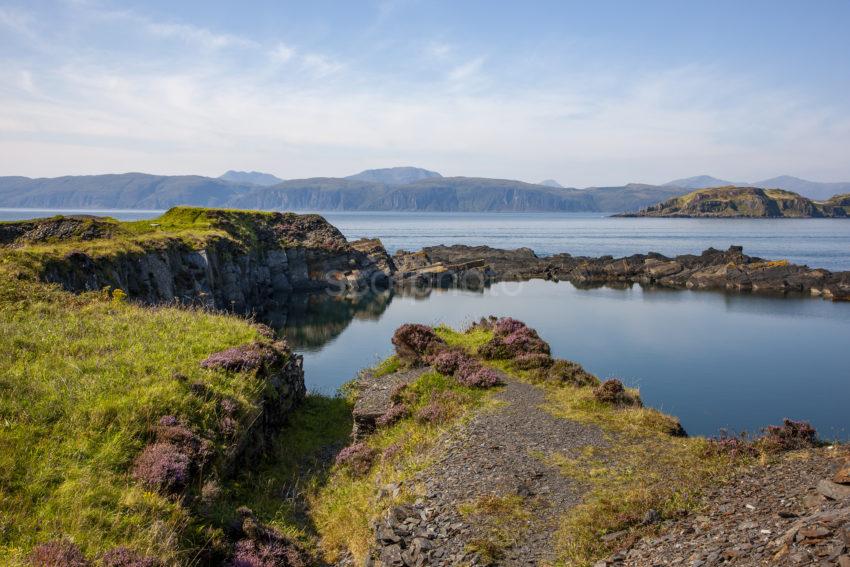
(82, 379)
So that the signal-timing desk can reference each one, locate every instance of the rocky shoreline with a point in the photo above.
(729, 270)
(243, 260)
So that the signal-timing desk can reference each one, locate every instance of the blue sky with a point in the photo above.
(588, 93)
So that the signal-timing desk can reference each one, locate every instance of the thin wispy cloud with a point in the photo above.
(277, 104)
(198, 36)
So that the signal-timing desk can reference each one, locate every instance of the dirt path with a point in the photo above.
(489, 495)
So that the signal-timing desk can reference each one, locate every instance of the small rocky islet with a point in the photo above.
(467, 447)
(748, 202)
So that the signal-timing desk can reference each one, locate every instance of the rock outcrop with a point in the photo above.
(417, 269)
(744, 202)
(230, 259)
(713, 269)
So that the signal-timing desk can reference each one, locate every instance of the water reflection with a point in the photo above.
(716, 360)
(309, 321)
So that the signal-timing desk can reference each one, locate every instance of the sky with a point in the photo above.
(588, 93)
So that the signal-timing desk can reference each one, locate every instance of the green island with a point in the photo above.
(143, 425)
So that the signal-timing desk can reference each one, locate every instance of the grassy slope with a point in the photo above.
(83, 379)
(643, 468)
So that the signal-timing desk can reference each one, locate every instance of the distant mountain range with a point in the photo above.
(391, 189)
(394, 175)
(811, 189)
(550, 183)
(252, 177)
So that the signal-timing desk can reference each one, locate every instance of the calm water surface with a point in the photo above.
(822, 243)
(715, 360)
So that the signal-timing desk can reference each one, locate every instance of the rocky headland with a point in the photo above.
(751, 202)
(235, 260)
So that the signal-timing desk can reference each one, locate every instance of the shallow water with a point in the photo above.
(715, 360)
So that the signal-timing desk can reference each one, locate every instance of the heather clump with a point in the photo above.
(262, 546)
(197, 448)
(440, 408)
(396, 413)
(614, 393)
(507, 326)
(511, 339)
(247, 357)
(532, 361)
(168, 462)
(463, 368)
(525, 341)
(447, 361)
(58, 553)
(414, 341)
(391, 451)
(734, 446)
(475, 375)
(125, 557)
(569, 373)
(789, 436)
(358, 458)
(162, 466)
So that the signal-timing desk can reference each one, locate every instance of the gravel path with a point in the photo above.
(493, 454)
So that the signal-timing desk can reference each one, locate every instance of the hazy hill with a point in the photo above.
(252, 177)
(811, 189)
(631, 197)
(394, 175)
(433, 193)
(698, 182)
(118, 191)
(745, 202)
(550, 183)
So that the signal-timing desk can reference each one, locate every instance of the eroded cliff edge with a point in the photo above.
(236, 260)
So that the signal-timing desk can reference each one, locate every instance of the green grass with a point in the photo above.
(642, 467)
(502, 519)
(389, 365)
(190, 226)
(275, 488)
(343, 507)
(469, 340)
(83, 379)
